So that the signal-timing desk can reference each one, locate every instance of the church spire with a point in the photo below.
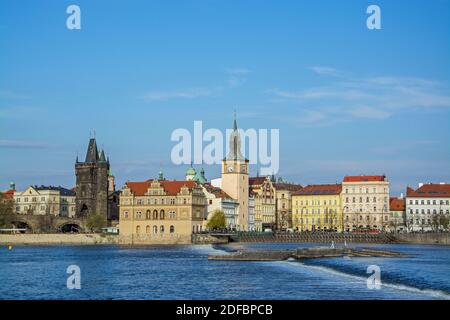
(92, 152)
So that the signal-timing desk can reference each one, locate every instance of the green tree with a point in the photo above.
(95, 222)
(217, 220)
(6, 211)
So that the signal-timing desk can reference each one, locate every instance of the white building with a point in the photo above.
(217, 199)
(426, 205)
(365, 202)
(42, 200)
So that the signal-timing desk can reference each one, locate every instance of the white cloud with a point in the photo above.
(177, 94)
(375, 98)
(325, 71)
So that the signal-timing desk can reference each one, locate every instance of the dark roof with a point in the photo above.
(217, 192)
(430, 190)
(256, 180)
(319, 189)
(62, 191)
(287, 186)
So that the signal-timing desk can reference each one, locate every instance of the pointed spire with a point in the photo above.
(234, 121)
(161, 174)
(92, 152)
(234, 152)
(102, 156)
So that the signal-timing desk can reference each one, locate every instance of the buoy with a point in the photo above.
(10, 248)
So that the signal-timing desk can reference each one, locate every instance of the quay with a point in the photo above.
(302, 253)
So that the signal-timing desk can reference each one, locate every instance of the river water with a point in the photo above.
(183, 272)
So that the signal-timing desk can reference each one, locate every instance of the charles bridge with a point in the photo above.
(47, 223)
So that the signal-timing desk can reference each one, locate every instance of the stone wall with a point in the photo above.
(151, 239)
(56, 239)
(425, 238)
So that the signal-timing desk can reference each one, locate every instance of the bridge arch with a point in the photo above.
(70, 227)
(19, 224)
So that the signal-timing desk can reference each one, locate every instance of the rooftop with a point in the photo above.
(320, 189)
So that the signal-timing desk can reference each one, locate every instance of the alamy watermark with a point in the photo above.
(74, 280)
(374, 280)
(260, 150)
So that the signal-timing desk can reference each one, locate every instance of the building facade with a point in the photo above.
(428, 207)
(265, 204)
(217, 199)
(156, 211)
(235, 181)
(365, 202)
(397, 209)
(317, 208)
(284, 204)
(45, 200)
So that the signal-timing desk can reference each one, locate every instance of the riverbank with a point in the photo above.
(103, 239)
(57, 239)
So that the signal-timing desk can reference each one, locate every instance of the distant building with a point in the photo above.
(426, 205)
(164, 211)
(251, 212)
(265, 210)
(93, 183)
(397, 209)
(317, 208)
(365, 202)
(217, 199)
(45, 200)
(284, 203)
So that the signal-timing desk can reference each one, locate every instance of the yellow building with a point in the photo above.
(160, 211)
(317, 208)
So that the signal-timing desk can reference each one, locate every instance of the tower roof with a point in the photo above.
(234, 152)
(92, 152)
(102, 156)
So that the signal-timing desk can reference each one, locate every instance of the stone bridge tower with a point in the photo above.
(92, 183)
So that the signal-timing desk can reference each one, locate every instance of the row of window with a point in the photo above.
(366, 190)
(317, 202)
(317, 211)
(429, 202)
(411, 211)
(35, 199)
(306, 220)
(154, 229)
(155, 215)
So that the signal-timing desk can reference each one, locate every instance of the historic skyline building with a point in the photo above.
(235, 177)
(92, 183)
(365, 202)
(426, 206)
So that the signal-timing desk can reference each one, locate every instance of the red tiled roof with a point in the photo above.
(364, 178)
(9, 194)
(397, 204)
(170, 187)
(319, 189)
(429, 190)
(219, 193)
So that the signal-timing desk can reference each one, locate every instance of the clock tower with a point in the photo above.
(235, 177)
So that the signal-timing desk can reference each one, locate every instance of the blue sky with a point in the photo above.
(347, 100)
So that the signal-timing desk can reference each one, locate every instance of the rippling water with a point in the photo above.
(183, 272)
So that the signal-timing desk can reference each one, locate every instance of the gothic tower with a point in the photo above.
(235, 177)
(92, 183)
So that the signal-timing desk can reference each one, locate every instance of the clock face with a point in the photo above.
(230, 169)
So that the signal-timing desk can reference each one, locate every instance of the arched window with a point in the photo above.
(138, 215)
(161, 229)
(172, 229)
(155, 229)
(147, 229)
(148, 215)
(161, 215)
(155, 214)
(138, 229)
